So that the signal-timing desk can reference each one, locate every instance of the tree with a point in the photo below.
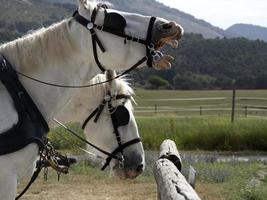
(158, 82)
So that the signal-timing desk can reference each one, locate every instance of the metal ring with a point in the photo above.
(90, 25)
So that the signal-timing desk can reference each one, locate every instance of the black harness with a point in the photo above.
(31, 126)
(115, 24)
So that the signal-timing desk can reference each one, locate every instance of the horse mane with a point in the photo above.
(51, 44)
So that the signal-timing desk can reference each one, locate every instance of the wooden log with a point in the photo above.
(171, 184)
(169, 151)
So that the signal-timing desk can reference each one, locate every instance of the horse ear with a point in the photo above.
(111, 74)
(82, 3)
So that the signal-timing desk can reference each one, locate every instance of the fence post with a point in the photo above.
(246, 111)
(200, 110)
(233, 105)
(171, 183)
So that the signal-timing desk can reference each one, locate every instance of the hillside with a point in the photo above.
(19, 16)
(149, 7)
(249, 31)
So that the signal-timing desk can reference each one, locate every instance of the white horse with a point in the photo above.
(63, 54)
(100, 133)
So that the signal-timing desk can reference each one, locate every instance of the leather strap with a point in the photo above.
(119, 149)
(149, 51)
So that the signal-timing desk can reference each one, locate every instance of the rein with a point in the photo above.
(81, 86)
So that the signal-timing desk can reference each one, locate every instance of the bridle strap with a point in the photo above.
(90, 25)
(150, 49)
(120, 149)
(112, 155)
(97, 112)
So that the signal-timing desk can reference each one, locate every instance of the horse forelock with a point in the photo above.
(120, 85)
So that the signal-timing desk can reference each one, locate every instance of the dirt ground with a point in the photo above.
(82, 188)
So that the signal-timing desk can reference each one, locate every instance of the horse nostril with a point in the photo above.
(167, 26)
(140, 168)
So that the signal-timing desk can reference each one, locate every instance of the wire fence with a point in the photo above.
(204, 106)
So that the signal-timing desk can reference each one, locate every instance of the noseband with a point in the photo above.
(120, 117)
(115, 19)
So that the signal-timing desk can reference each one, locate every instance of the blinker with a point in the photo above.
(115, 22)
(121, 116)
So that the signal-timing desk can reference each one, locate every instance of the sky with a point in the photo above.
(224, 13)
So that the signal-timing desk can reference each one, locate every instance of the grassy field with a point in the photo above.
(205, 133)
(189, 133)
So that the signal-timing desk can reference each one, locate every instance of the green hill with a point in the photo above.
(249, 31)
(19, 16)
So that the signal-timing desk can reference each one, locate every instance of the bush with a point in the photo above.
(158, 82)
(62, 139)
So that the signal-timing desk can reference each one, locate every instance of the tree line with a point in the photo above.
(211, 64)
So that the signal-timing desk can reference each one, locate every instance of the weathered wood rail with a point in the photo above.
(171, 184)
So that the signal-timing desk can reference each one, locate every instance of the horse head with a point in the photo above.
(127, 37)
(112, 127)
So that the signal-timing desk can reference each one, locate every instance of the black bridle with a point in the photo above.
(91, 26)
(120, 117)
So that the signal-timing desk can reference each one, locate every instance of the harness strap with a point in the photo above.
(21, 96)
(33, 178)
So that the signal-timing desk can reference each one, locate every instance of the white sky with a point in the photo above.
(224, 13)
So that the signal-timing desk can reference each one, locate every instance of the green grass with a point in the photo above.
(62, 139)
(190, 133)
(205, 133)
(233, 179)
